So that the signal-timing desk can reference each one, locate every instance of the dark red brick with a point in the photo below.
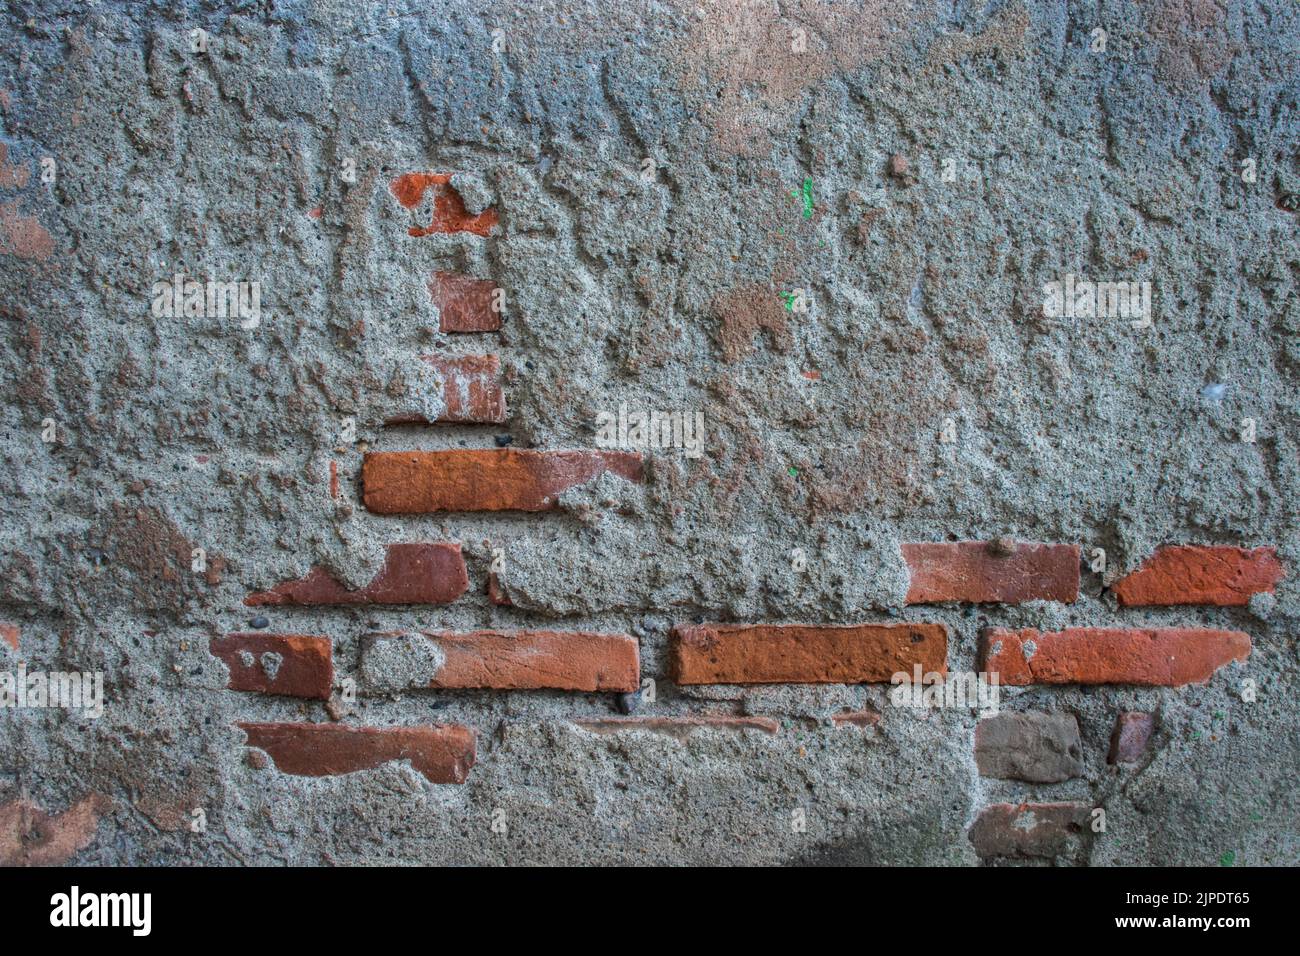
(464, 303)
(425, 573)
(994, 572)
(802, 654)
(1030, 830)
(302, 665)
(1132, 734)
(1163, 657)
(416, 482)
(1197, 574)
(444, 754)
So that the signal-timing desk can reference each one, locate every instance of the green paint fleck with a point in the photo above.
(1228, 859)
(794, 472)
(789, 301)
(1256, 816)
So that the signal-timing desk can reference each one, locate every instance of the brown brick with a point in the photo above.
(295, 665)
(29, 836)
(994, 572)
(496, 593)
(444, 754)
(415, 482)
(802, 654)
(1163, 657)
(507, 660)
(678, 727)
(425, 573)
(1032, 746)
(464, 303)
(1196, 574)
(1129, 740)
(449, 212)
(1043, 830)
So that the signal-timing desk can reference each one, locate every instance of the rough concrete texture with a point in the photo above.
(669, 289)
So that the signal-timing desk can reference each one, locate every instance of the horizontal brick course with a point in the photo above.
(471, 392)
(421, 573)
(295, 665)
(444, 754)
(464, 303)
(1168, 657)
(416, 482)
(449, 212)
(1001, 572)
(1029, 830)
(1198, 574)
(802, 654)
(516, 660)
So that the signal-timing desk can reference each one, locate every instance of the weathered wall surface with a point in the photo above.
(827, 228)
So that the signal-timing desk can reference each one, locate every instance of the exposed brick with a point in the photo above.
(508, 660)
(800, 654)
(1128, 742)
(31, 837)
(444, 754)
(1197, 574)
(295, 665)
(1001, 572)
(471, 391)
(1042, 830)
(9, 634)
(678, 727)
(856, 718)
(425, 573)
(1032, 746)
(414, 482)
(464, 303)
(496, 593)
(449, 212)
(1165, 657)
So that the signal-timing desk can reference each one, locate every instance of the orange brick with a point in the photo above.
(1198, 574)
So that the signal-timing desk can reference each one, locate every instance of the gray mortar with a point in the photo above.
(1074, 431)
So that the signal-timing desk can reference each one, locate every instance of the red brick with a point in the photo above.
(1197, 574)
(464, 303)
(9, 634)
(526, 660)
(415, 482)
(449, 212)
(471, 391)
(496, 593)
(1129, 740)
(678, 727)
(1043, 830)
(802, 654)
(444, 754)
(427, 573)
(1160, 657)
(31, 837)
(305, 665)
(855, 718)
(994, 572)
